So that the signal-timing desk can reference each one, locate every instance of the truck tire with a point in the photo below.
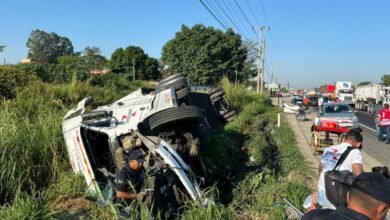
(169, 78)
(229, 115)
(173, 116)
(217, 94)
(177, 83)
(182, 93)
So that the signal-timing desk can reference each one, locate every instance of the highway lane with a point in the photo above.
(365, 119)
(375, 149)
(375, 153)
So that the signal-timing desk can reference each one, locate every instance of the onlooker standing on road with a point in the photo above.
(384, 123)
(306, 102)
(353, 162)
(375, 113)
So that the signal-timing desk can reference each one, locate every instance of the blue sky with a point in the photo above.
(310, 43)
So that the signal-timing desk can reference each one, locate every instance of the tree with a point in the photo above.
(364, 83)
(134, 58)
(70, 65)
(36, 69)
(47, 47)
(250, 67)
(93, 59)
(204, 54)
(386, 79)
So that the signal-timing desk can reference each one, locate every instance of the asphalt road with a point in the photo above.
(375, 153)
(377, 150)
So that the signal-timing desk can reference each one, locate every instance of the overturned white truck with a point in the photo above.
(163, 123)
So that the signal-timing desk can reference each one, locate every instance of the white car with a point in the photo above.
(162, 123)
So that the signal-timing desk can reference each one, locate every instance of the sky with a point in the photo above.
(310, 42)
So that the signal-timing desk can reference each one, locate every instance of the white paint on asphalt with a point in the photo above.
(365, 126)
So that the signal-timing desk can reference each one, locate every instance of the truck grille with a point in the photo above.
(348, 98)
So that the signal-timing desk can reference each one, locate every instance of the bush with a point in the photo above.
(11, 80)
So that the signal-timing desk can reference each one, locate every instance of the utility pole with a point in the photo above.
(235, 82)
(258, 65)
(133, 70)
(260, 70)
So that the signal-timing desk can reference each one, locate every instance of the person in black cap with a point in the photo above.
(369, 198)
(130, 179)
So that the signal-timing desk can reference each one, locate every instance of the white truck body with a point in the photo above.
(366, 95)
(344, 91)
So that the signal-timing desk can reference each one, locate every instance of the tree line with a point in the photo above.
(203, 54)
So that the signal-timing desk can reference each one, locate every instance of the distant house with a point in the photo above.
(99, 71)
(26, 60)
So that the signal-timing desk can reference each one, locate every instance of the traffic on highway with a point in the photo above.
(340, 107)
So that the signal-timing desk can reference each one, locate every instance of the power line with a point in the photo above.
(231, 11)
(265, 16)
(228, 17)
(214, 9)
(242, 12)
(215, 17)
(252, 12)
(234, 15)
(266, 21)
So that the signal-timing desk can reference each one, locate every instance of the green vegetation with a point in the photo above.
(253, 163)
(134, 59)
(47, 47)
(204, 54)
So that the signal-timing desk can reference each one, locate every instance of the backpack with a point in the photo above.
(337, 182)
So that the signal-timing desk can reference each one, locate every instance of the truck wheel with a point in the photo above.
(217, 94)
(177, 83)
(229, 115)
(182, 93)
(169, 78)
(173, 116)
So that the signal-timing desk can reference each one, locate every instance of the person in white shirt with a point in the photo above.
(353, 162)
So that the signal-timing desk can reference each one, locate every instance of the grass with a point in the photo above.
(254, 163)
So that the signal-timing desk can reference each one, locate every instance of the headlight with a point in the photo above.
(355, 119)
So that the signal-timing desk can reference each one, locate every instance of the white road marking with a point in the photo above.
(365, 126)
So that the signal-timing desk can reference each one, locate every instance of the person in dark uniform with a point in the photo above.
(369, 198)
(130, 179)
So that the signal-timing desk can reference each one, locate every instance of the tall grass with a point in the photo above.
(253, 163)
(262, 162)
(32, 151)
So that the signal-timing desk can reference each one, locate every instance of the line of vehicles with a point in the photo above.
(362, 98)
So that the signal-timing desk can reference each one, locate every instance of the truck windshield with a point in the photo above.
(348, 91)
(337, 108)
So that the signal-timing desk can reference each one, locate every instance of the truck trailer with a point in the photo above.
(369, 95)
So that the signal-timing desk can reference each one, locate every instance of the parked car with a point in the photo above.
(163, 123)
(297, 100)
(341, 113)
(313, 100)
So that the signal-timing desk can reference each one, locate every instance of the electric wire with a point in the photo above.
(252, 12)
(238, 17)
(217, 12)
(231, 12)
(234, 23)
(215, 17)
(246, 18)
